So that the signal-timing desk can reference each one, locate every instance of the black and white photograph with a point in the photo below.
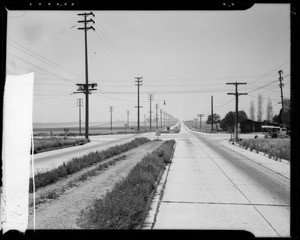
(148, 119)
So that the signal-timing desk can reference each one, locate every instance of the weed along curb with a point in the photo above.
(126, 205)
(153, 209)
(264, 148)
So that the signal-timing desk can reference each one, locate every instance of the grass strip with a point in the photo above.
(41, 144)
(78, 163)
(53, 194)
(277, 148)
(125, 206)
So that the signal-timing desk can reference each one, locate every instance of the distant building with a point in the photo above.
(251, 126)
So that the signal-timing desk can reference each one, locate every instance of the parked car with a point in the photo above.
(274, 131)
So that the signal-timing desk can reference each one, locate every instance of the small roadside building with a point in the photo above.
(251, 126)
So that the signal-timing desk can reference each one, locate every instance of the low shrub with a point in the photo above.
(78, 163)
(125, 206)
(277, 148)
(49, 143)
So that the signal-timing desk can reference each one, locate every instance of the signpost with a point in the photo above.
(200, 115)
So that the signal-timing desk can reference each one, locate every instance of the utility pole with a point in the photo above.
(168, 119)
(156, 113)
(139, 82)
(281, 85)
(86, 88)
(161, 118)
(237, 94)
(151, 97)
(128, 118)
(200, 116)
(79, 104)
(111, 109)
(212, 114)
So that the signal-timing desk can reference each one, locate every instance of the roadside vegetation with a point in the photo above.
(78, 163)
(42, 144)
(277, 148)
(126, 205)
(55, 193)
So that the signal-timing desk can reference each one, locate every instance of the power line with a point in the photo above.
(166, 92)
(225, 103)
(47, 76)
(65, 79)
(54, 35)
(113, 45)
(271, 71)
(263, 97)
(263, 86)
(116, 56)
(45, 60)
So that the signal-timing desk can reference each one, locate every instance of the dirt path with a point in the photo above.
(63, 212)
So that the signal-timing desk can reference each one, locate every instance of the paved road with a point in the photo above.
(47, 160)
(211, 187)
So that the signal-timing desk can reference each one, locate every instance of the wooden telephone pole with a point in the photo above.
(86, 88)
(79, 104)
(151, 97)
(237, 94)
(139, 82)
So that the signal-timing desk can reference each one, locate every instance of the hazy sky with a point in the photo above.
(184, 57)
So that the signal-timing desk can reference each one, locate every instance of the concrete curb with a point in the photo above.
(150, 219)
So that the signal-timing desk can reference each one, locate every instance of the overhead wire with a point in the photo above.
(43, 59)
(166, 92)
(54, 35)
(111, 42)
(111, 46)
(224, 103)
(116, 56)
(65, 79)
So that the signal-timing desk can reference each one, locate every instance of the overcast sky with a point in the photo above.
(184, 57)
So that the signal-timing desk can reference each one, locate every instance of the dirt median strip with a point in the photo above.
(62, 212)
